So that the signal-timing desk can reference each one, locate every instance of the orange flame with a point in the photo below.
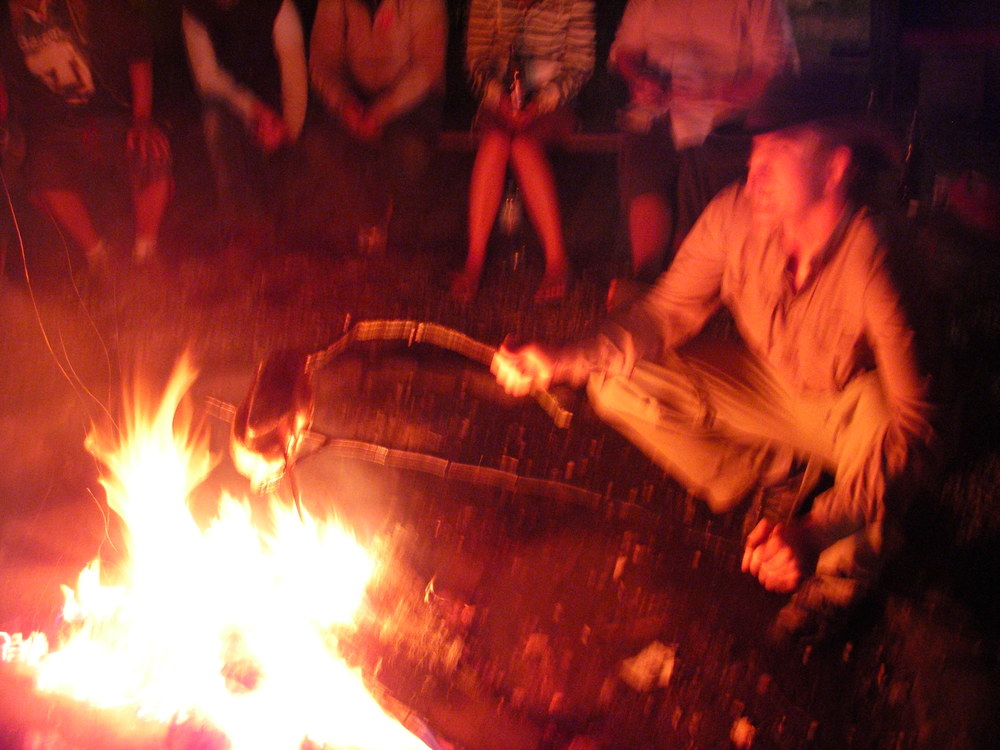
(225, 624)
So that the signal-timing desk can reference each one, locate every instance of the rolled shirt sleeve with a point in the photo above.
(211, 79)
(289, 47)
(674, 310)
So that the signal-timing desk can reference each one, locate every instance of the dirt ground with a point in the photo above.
(568, 577)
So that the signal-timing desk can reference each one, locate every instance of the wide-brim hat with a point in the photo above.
(832, 99)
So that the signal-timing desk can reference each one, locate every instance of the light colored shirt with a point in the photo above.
(845, 319)
(709, 48)
(395, 59)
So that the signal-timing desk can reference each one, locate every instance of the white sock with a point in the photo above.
(145, 248)
(98, 253)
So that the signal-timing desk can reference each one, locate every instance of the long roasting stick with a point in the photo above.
(418, 332)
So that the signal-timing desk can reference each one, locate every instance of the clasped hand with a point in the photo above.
(269, 129)
(147, 144)
(516, 119)
(780, 555)
(360, 121)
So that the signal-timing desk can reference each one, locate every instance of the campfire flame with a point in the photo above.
(227, 625)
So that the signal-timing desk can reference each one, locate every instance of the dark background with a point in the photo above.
(940, 56)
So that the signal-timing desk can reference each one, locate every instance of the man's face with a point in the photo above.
(786, 175)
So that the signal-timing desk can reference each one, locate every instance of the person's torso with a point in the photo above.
(815, 337)
(243, 40)
(62, 74)
(698, 42)
(380, 41)
(538, 32)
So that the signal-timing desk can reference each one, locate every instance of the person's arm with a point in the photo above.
(328, 60)
(772, 50)
(673, 311)
(213, 81)
(289, 48)
(627, 58)
(577, 61)
(145, 139)
(628, 49)
(910, 447)
(426, 69)
(907, 448)
(140, 74)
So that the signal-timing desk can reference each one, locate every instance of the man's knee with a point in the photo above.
(610, 399)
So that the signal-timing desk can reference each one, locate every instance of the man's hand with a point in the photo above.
(646, 91)
(646, 88)
(523, 117)
(147, 145)
(506, 113)
(780, 555)
(359, 121)
(370, 128)
(270, 131)
(519, 370)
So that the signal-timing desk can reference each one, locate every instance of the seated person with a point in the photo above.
(553, 40)
(692, 71)
(377, 69)
(825, 372)
(248, 61)
(79, 74)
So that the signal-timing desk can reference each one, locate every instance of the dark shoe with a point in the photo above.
(818, 611)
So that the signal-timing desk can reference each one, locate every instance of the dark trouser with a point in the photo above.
(358, 183)
(249, 184)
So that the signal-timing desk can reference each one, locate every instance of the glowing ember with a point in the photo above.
(227, 625)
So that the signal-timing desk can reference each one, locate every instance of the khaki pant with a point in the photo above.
(716, 418)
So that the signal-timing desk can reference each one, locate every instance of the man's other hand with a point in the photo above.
(519, 370)
(270, 130)
(648, 92)
(359, 121)
(147, 145)
(780, 555)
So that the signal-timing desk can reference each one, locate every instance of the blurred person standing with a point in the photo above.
(527, 61)
(377, 68)
(248, 61)
(81, 85)
(692, 70)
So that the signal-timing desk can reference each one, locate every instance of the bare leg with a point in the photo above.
(150, 202)
(485, 192)
(534, 174)
(71, 214)
(650, 222)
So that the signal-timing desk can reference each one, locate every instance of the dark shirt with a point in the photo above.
(72, 61)
(242, 37)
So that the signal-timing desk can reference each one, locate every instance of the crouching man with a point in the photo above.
(824, 374)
